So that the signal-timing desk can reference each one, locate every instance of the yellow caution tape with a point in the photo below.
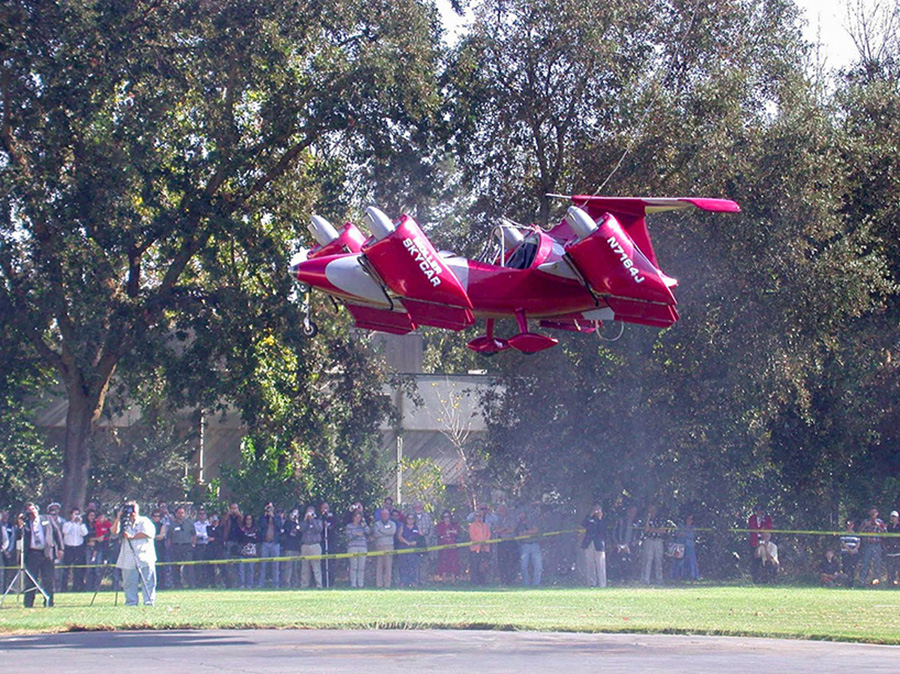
(467, 544)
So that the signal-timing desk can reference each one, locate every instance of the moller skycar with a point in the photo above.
(596, 265)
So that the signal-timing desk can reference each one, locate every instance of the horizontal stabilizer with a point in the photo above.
(632, 211)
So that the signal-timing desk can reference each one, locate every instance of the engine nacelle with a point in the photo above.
(379, 224)
(612, 264)
(321, 230)
(332, 242)
(581, 223)
(410, 267)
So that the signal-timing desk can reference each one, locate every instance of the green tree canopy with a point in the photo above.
(156, 158)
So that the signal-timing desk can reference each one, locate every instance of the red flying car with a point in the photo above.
(596, 265)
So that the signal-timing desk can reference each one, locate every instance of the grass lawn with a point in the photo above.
(792, 612)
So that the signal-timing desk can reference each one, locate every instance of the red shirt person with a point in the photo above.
(759, 521)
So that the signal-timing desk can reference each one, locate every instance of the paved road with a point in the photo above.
(373, 651)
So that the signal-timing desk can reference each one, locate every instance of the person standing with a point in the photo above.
(159, 537)
(425, 524)
(232, 525)
(7, 547)
(626, 544)
(92, 557)
(290, 547)
(652, 546)
(180, 539)
(329, 542)
(203, 571)
(249, 551)
(408, 539)
(137, 554)
(849, 552)
(448, 559)
(594, 546)
(356, 533)
(215, 551)
(74, 533)
(270, 527)
(59, 552)
(508, 551)
(311, 546)
(870, 544)
(529, 550)
(892, 550)
(39, 546)
(758, 522)
(384, 531)
(162, 548)
(479, 552)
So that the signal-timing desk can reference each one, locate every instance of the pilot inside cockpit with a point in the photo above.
(523, 247)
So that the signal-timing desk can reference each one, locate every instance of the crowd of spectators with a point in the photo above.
(390, 546)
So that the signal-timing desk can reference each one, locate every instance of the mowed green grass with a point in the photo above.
(801, 613)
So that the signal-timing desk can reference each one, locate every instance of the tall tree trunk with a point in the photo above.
(76, 453)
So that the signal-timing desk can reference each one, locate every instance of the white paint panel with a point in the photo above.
(347, 274)
(460, 267)
(558, 268)
(604, 314)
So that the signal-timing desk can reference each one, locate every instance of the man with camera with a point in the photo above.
(271, 524)
(74, 533)
(310, 545)
(290, 547)
(137, 554)
(40, 543)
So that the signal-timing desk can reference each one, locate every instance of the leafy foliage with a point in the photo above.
(759, 392)
(156, 158)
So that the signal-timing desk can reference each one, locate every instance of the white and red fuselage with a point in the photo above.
(597, 265)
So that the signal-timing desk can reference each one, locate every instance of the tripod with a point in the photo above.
(21, 573)
(115, 582)
(325, 538)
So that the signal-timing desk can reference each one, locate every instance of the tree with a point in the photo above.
(532, 82)
(155, 160)
(27, 470)
(747, 396)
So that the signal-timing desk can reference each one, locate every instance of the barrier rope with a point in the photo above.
(469, 544)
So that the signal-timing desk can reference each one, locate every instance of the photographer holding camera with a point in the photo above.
(137, 554)
(310, 545)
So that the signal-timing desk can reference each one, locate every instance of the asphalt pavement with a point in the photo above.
(383, 651)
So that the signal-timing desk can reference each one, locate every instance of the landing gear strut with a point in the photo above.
(310, 329)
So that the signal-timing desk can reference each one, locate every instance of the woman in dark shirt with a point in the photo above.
(408, 537)
(594, 546)
(249, 551)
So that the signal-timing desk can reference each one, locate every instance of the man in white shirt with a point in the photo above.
(137, 554)
(74, 532)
